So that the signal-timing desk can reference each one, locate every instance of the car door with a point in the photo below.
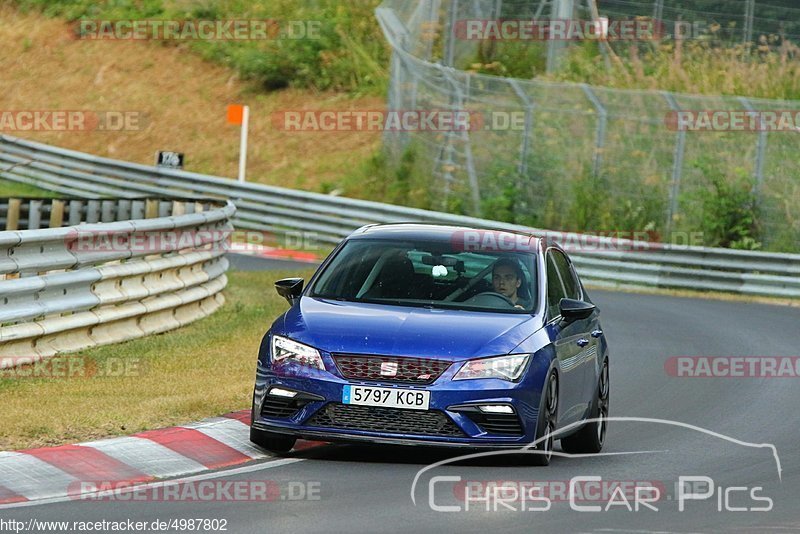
(566, 341)
(586, 331)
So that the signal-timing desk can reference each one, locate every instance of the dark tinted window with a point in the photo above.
(555, 291)
(567, 275)
(430, 274)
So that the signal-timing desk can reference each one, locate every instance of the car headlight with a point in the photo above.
(503, 367)
(284, 349)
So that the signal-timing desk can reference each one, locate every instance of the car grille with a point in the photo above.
(391, 420)
(498, 423)
(281, 407)
(408, 370)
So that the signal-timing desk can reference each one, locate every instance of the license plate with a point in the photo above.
(409, 399)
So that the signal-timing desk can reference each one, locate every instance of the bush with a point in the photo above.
(727, 209)
(403, 181)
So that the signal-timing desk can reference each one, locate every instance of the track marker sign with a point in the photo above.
(239, 114)
(173, 160)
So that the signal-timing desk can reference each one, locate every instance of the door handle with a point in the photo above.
(597, 333)
(582, 342)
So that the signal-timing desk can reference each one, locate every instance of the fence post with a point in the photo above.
(498, 9)
(151, 209)
(107, 211)
(561, 10)
(56, 214)
(395, 103)
(457, 103)
(471, 171)
(433, 20)
(393, 26)
(600, 136)
(761, 148)
(658, 10)
(677, 168)
(449, 37)
(76, 212)
(526, 136)
(749, 13)
(35, 214)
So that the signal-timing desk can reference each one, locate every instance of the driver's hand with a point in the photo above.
(519, 306)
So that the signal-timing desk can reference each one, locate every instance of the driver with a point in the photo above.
(507, 277)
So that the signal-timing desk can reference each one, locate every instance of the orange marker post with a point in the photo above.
(239, 114)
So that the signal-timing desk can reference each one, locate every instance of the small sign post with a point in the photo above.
(239, 114)
(172, 160)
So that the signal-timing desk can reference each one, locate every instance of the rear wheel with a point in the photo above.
(590, 438)
(277, 443)
(546, 424)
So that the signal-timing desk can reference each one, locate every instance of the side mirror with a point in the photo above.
(573, 310)
(290, 289)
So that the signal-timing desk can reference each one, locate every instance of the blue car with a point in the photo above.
(416, 334)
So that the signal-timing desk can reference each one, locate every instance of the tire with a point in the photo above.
(276, 443)
(590, 438)
(546, 421)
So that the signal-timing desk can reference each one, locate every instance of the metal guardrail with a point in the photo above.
(122, 269)
(611, 262)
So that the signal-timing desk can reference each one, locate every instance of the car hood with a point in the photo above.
(360, 328)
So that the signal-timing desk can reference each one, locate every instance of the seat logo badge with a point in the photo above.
(388, 368)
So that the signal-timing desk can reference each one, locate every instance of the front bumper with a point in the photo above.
(342, 437)
(322, 394)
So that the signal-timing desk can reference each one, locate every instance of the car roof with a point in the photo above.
(436, 233)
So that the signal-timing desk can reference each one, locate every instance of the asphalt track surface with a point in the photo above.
(368, 489)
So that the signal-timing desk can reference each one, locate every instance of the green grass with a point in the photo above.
(15, 189)
(695, 67)
(350, 53)
(204, 369)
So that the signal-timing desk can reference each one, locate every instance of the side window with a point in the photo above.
(555, 290)
(571, 284)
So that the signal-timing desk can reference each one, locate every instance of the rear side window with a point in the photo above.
(571, 285)
(555, 291)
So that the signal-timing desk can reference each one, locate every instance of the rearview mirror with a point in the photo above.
(573, 310)
(447, 261)
(290, 289)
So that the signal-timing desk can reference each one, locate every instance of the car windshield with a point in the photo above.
(430, 274)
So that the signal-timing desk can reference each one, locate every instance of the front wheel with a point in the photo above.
(276, 443)
(546, 424)
(590, 438)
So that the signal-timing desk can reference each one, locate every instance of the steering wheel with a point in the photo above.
(495, 295)
(472, 283)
